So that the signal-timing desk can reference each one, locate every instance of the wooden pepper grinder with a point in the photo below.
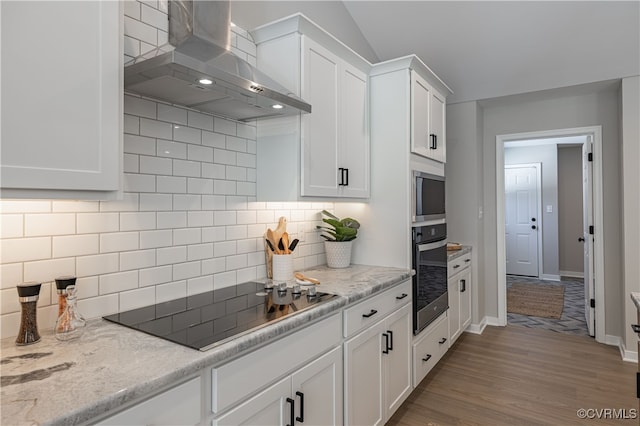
(28, 294)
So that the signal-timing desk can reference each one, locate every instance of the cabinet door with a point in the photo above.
(420, 112)
(317, 390)
(454, 308)
(61, 95)
(269, 407)
(319, 156)
(437, 126)
(464, 284)
(354, 135)
(363, 377)
(397, 363)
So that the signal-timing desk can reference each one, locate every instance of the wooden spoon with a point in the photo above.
(301, 277)
(285, 242)
(272, 240)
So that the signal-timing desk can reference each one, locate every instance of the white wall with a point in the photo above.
(547, 156)
(570, 210)
(631, 199)
(188, 222)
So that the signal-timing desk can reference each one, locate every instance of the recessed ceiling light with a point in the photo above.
(205, 81)
(277, 106)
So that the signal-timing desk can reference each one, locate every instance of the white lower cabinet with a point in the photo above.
(459, 286)
(179, 405)
(312, 395)
(429, 347)
(377, 371)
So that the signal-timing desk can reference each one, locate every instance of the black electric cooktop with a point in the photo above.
(205, 320)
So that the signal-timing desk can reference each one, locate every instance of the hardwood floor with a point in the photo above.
(521, 376)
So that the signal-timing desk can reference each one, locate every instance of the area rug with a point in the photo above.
(538, 300)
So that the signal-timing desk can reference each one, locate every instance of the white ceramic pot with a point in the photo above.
(338, 253)
(282, 267)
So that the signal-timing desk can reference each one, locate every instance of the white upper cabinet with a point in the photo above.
(324, 153)
(427, 120)
(61, 99)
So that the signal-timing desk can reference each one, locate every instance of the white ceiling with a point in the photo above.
(487, 49)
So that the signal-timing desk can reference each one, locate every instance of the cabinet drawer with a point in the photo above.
(370, 311)
(429, 348)
(458, 264)
(236, 380)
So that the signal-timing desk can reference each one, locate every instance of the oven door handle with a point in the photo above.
(431, 246)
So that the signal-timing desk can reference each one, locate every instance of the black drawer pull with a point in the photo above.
(427, 358)
(301, 418)
(401, 297)
(636, 328)
(456, 266)
(467, 260)
(370, 314)
(463, 286)
(386, 343)
(293, 415)
(443, 340)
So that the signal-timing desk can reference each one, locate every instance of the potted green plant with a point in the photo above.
(339, 235)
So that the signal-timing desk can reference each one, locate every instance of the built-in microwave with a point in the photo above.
(428, 197)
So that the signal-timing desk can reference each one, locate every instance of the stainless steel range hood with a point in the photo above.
(199, 71)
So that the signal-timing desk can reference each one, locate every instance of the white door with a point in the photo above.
(587, 238)
(420, 103)
(397, 368)
(363, 378)
(317, 390)
(522, 219)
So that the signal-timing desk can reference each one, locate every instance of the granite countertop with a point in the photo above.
(53, 382)
(454, 254)
(636, 299)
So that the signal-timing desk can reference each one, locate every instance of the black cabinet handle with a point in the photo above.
(581, 240)
(636, 328)
(301, 418)
(370, 314)
(427, 358)
(293, 414)
(444, 339)
(456, 266)
(434, 141)
(467, 260)
(463, 286)
(346, 183)
(401, 297)
(341, 171)
(390, 339)
(386, 343)
(533, 219)
(534, 227)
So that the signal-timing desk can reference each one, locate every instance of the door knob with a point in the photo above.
(581, 240)
(534, 227)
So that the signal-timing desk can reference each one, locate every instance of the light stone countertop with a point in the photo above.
(636, 299)
(53, 382)
(454, 254)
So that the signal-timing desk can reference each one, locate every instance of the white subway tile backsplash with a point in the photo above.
(137, 259)
(157, 275)
(119, 241)
(171, 255)
(172, 114)
(189, 195)
(215, 140)
(137, 106)
(156, 202)
(97, 264)
(171, 219)
(155, 129)
(200, 121)
(155, 239)
(115, 283)
(199, 285)
(137, 221)
(186, 168)
(76, 245)
(36, 225)
(9, 300)
(187, 236)
(10, 275)
(156, 165)
(11, 226)
(25, 249)
(187, 134)
(199, 218)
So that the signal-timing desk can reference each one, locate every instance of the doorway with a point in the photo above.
(593, 253)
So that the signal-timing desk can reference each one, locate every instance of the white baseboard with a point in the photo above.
(494, 321)
(572, 274)
(550, 277)
(626, 355)
(477, 328)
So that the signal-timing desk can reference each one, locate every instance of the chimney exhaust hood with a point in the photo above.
(198, 70)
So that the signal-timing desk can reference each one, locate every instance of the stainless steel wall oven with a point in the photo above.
(430, 297)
